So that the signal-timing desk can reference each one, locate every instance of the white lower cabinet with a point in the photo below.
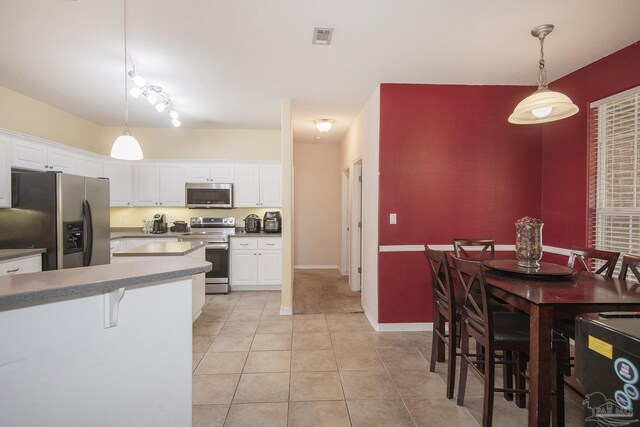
(256, 263)
(28, 264)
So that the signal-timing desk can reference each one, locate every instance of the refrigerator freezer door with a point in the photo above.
(97, 196)
(70, 197)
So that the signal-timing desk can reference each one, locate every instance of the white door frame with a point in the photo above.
(355, 276)
(344, 262)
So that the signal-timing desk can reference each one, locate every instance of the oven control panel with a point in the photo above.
(208, 222)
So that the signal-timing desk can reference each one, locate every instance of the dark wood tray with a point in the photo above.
(546, 268)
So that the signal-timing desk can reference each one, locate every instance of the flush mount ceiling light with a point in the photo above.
(126, 147)
(324, 125)
(543, 105)
(154, 94)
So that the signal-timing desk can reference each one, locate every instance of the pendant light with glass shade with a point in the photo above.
(543, 105)
(126, 147)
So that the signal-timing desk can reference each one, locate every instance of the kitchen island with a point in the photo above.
(102, 345)
(192, 248)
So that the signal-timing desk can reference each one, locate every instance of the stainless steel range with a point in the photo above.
(216, 232)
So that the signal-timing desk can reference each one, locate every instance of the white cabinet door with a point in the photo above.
(89, 166)
(145, 184)
(120, 181)
(198, 172)
(223, 173)
(59, 159)
(271, 185)
(29, 155)
(244, 267)
(246, 190)
(29, 264)
(5, 174)
(269, 267)
(171, 180)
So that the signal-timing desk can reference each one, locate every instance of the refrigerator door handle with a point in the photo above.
(88, 250)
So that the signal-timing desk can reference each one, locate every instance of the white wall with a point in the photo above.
(317, 205)
(362, 142)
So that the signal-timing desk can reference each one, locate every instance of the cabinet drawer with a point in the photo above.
(20, 266)
(244, 243)
(269, 243)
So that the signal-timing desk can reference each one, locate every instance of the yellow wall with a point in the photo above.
(221, 144)
(25, 115)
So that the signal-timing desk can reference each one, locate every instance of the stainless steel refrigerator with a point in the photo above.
(68, 215)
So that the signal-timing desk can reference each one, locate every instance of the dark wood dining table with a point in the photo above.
(546, 299)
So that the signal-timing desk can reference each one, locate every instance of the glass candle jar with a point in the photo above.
(529, 242)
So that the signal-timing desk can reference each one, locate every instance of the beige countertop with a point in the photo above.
(260, 234)
(136, 233)
(9, 254)
(24, 290)
(162, 249)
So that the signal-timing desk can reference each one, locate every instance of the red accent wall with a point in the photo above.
(450, 166)
(565, 145)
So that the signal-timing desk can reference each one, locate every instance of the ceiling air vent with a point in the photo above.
(322, 35)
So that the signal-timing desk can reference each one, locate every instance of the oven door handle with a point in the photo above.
(224, 246)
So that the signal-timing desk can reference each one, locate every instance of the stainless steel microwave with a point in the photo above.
(209, 196)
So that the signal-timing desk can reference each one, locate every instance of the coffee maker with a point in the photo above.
(159, 224)
(272, 222)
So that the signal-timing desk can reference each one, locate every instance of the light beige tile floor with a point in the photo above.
(253, 367)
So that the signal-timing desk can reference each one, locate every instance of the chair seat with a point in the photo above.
(509, 327)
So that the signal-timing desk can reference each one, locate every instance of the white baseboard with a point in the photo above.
(316, 267)
(286, 311)
(395, 327)
(241, 288)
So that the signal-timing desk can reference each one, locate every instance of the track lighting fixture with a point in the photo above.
(154, 94)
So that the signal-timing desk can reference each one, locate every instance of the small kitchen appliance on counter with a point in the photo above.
(272, 222)
(179, 227)
(216, 232)
(159, 224)
(252, 223)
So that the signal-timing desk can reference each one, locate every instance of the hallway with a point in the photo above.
(324, 291)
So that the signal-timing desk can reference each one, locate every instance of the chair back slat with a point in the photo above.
(443, 290)
(476, 300)
(487, 248)
(586, 257)
(630, 262)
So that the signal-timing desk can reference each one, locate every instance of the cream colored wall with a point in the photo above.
(362, 142)
(133, 216)
(317, 205)
(25, 115)
(221, 144)
(288, 232)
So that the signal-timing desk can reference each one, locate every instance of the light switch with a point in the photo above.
(393, 219)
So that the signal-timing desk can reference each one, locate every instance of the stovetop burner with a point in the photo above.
(211, 229)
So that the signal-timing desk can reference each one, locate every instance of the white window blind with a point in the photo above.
(614, 178)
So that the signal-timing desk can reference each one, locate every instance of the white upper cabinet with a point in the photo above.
(158, 184)
(246, 189)
(38, 156)
(120, 177)
(210, 172)
(258, 185)
(88, 165)
(5, 174)
(270, 186)
(171, 180)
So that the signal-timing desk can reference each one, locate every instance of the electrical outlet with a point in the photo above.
(393, 219)
(123, 219)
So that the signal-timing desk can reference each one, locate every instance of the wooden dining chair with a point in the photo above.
(587, 257)
(461, 248)
(446, 312)
(630, 262)
(496, 332)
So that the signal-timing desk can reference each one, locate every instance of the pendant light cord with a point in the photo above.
(126, 98)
